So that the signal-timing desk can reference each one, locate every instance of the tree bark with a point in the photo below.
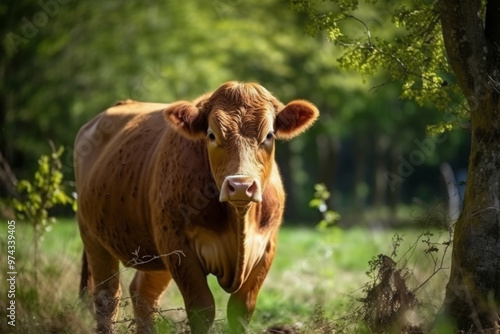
(473, 291)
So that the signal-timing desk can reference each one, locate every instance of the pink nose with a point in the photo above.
(240, 188)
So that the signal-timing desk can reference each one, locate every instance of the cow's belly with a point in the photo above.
(229, 259)
(140, 255)
(126, 239)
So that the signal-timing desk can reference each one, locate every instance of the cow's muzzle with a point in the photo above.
(241, 190)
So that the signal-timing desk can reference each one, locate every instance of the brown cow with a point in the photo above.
(201, 195)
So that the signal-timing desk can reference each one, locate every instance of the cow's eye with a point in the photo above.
(211, 136)
(270, 135)
(268, 140)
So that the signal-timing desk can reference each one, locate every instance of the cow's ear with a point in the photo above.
(187, 119)
(295, 118)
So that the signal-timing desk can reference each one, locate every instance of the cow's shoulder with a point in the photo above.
(124, 114)
(128, 127)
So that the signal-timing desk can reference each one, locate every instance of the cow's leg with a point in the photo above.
(146, 290)
(242, 303)
(105, 273)
(192, 282)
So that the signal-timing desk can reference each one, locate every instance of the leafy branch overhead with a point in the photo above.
(403, 40)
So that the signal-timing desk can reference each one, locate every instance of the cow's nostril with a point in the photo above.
(231, 188)
(251, 189)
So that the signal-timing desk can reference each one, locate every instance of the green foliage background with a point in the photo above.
(63, 61)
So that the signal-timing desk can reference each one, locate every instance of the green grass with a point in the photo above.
(311, 268)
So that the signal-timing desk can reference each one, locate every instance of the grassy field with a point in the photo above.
(317, 277)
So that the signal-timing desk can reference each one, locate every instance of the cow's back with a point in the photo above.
(114, 154)
(104, 134)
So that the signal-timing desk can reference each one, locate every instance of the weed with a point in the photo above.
(388, 299)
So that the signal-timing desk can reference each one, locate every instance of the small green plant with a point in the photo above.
(38, 196)
(45, 191)
(319, 201)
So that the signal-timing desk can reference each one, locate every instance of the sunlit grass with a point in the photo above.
(46, 298)
(325, 268)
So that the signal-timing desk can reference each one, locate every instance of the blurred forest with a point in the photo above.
(62, 62)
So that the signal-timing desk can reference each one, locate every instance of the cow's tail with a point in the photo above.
(86, 277)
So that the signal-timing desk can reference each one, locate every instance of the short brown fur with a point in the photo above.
(149, 195)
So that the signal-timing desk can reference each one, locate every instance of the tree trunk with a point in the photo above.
(473, 292)
(395, 194)
(360, 184)
(380, 184)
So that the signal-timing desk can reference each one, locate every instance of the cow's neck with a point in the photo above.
(251, 242)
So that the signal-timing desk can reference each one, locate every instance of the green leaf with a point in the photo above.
(43, 193)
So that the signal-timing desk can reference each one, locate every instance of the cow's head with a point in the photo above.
(239, 123)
